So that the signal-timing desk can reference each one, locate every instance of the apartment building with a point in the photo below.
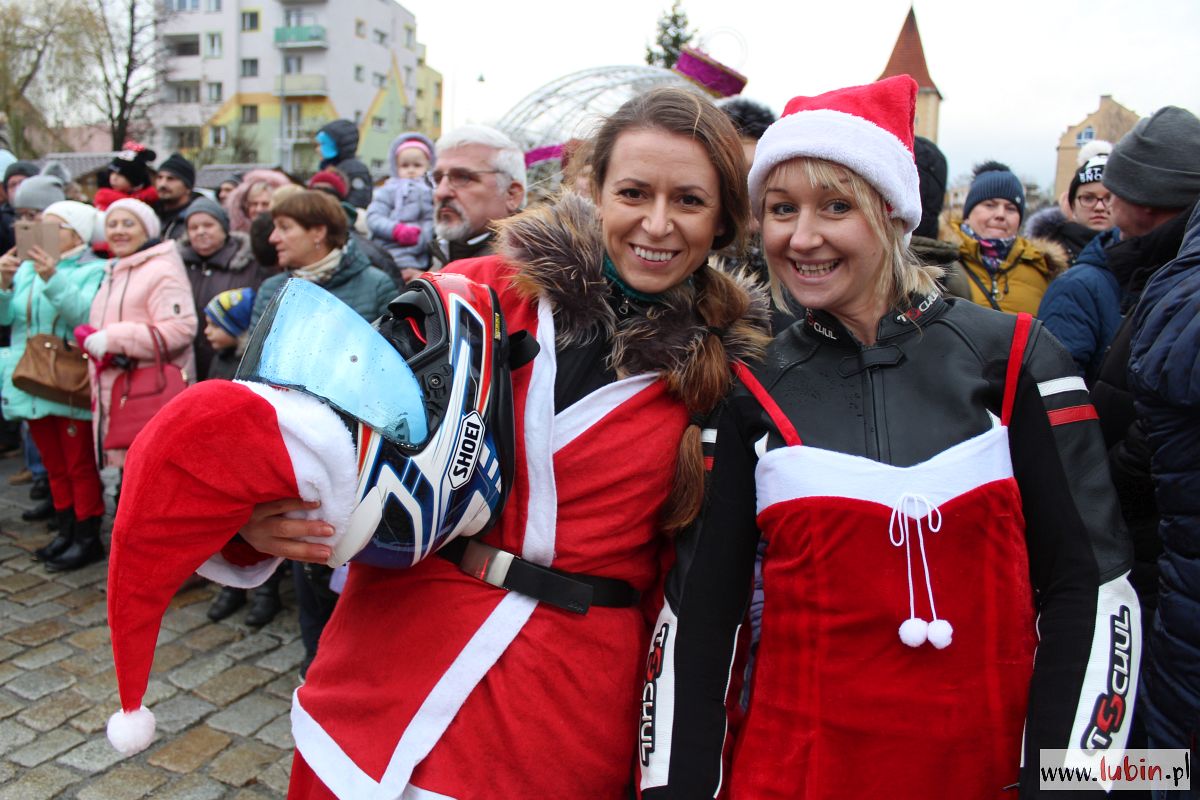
(253, 80)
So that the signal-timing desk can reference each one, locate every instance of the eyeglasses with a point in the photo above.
(1091, 200)
(461, 178)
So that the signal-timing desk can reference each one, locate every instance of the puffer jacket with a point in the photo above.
(147, 288)
(55, 307)
(356, 283)
(231, 267)
(345, 135)
(1022, 278)
(1083, 307)
(403, 200)
(1163, 375)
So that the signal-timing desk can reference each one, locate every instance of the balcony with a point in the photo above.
(297, 37)
(300, 86)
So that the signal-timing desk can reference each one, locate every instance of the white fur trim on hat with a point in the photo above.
(854, 142)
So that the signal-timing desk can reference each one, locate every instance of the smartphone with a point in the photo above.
(36, 234)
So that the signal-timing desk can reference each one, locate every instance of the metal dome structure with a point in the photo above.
(571, 106)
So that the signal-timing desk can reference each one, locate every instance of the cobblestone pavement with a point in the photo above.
(221, 692)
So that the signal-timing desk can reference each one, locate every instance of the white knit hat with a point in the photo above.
(867, 129)
(144, 213)
(82, 218)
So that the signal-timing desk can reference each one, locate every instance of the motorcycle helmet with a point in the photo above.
(427, 394)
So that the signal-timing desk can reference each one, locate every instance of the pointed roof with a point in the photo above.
(908, 56)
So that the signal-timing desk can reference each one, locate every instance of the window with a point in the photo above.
(378, 123)
(410, 36)
(187, 138)
(212, 5)
(437, 90)
(360, 29)
(249, 20)
(379, 79)
(1084, 136)
(249, 115)
(249, 67)
(376, 163)
(183, 46)
(358, 118)
(183, 5)
(183, 92)
(420, 92)
(294, 18)
(212, 45)
(380, 36)
(293, 65)
(218, 136)
(215, 93)
(408, 76)
(360, 74)
(291, 120)
(437, 118)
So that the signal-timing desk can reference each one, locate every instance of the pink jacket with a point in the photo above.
(147, 288)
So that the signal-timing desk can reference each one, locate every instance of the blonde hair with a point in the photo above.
(902, 275)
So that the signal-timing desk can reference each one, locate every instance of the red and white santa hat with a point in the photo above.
(192, 478)
(867, 129)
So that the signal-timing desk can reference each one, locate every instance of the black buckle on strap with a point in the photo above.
(570, 591)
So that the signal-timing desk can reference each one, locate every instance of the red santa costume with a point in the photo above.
(935, 505)
(432, 683)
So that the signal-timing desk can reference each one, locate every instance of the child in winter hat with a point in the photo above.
(400, 216)
(128, 176)
(227, 319)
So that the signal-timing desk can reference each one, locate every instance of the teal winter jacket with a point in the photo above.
(55, 306)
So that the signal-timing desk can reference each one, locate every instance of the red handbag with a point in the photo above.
(138, 393)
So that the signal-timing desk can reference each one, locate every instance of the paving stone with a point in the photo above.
(38, 633)
(9, 705)
(284, 686)
(252, 793)
(233, 683)
(28, 614)
(99, 687)
(252, 645)
(158, 691)
(86, 576)
(39, 593)
(198, 670)
(39, 683)
(192, 787)
(279, 775)
(94, 755)
(8, 650)
(92, 638)
(191, 750)
(7, 772)
(182, 620)
(42, 783)
(188, 597)
(209, 637)
(20, 582)
(46, 747)
(248, 714)
(92, 614)
(278, 733)
(9, 671)
(284, 659)
(78, 598)
(240, 765)
(51, 712)
(13, 735)
(181, 711)
(42, 656)
(128, 782)
(86, 665)
(169, 656)
(7, 608)
(94, 720)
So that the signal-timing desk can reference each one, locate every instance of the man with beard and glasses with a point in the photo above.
(480, 178)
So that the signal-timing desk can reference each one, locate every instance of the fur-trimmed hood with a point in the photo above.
(558, 251)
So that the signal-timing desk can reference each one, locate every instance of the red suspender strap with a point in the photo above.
(786, 429)
(1016, 357)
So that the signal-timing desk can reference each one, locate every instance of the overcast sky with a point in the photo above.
(1053, 58)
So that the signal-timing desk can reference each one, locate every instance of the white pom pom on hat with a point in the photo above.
(867, 129)
(131, 732)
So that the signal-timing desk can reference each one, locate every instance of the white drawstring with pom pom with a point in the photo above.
(915, 631)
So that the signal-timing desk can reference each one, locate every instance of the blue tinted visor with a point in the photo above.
(310, 341)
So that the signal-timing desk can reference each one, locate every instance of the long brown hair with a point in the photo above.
(722, 303)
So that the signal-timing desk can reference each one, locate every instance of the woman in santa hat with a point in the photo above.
(929, 478)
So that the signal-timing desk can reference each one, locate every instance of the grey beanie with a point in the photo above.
(39, 192)
(1157, 164)
(204, 205)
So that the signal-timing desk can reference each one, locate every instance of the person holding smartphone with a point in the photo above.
(50, 293)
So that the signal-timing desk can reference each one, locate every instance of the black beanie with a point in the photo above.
(26, 168)
(134, 165)
(180, 167)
